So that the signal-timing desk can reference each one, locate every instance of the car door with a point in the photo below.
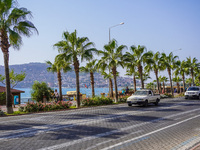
(150, 96)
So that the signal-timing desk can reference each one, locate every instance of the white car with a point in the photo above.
(143, 97)
(192, 92)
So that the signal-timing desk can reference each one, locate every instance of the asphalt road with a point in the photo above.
(172, 125)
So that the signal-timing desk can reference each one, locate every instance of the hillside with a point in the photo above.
(38, 71)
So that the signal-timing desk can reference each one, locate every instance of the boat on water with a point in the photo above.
(71, 95)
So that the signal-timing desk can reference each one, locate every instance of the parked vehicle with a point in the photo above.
(192, 92)
(143, 97)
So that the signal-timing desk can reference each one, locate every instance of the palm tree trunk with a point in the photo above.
(92, 83)
(192, 74)
(115, 82)
(183, 77)
(178, 88)
(76, 68)
(134, 81)
(4, 47)
(164, 87)
(141, 76)
(170, 79)
(59, 84)
(111, 87)
(8, 92)
(199, 79)
(158, 86)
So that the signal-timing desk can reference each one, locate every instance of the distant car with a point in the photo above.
(192, 92)
(143, 97)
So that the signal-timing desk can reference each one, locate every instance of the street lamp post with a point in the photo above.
(109, 42)
(113, 27)
(177, 50)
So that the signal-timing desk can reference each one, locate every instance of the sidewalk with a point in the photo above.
(3, 107)
(196, 147)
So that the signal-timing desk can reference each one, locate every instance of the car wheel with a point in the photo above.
(199, 96)
(129, 104)
(156, 103)
(145, 103)
(186, 97)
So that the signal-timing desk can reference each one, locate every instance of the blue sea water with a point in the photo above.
(88, 91)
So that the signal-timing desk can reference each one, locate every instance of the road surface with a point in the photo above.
(172, 125)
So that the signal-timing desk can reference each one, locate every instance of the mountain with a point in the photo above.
(38, 72)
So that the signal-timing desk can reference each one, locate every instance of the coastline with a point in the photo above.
(88, 91)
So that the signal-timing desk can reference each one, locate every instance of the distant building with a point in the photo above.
(14, 93)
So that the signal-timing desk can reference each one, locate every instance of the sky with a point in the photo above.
(159, 25)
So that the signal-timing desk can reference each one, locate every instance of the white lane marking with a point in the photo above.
(144, 135)
(35, 117)
(30, 132)
(92, 147)
(119, 130)
(84, 139)
(40, 118)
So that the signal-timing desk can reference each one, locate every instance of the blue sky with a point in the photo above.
(160, 25)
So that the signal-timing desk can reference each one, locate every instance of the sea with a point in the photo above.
(25, 97)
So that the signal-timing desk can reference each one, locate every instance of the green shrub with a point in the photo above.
(2, 98)
(21, 109)
(1, 113)
(179, 95)
(168, 95)
(38, 106)
(40, 90)
(95, 101)
(123, 99)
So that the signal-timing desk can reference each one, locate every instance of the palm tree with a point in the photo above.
(70, 49)
(108, 76)
(112, 54)
(129, 61)
(182, 70)
(160, 80)
(150, 85)
(177, 79)
(131, 72)
(188, 81)
(192, 64)
(155, 65)
(90, 67)
(155, 83)
(13, 24)
(197, 75)
(57, 66)
(139, 60)
(163, 79)
(169, 62)
(102, 65)
(145, 76)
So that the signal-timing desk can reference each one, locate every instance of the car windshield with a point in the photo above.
(193, 89)
(141, 93)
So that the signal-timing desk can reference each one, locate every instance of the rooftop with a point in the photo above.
(3, 89)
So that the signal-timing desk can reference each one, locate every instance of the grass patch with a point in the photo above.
(72, 107)
(16, 113)
(179, 95)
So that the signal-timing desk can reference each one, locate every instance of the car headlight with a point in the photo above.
(129, 99)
